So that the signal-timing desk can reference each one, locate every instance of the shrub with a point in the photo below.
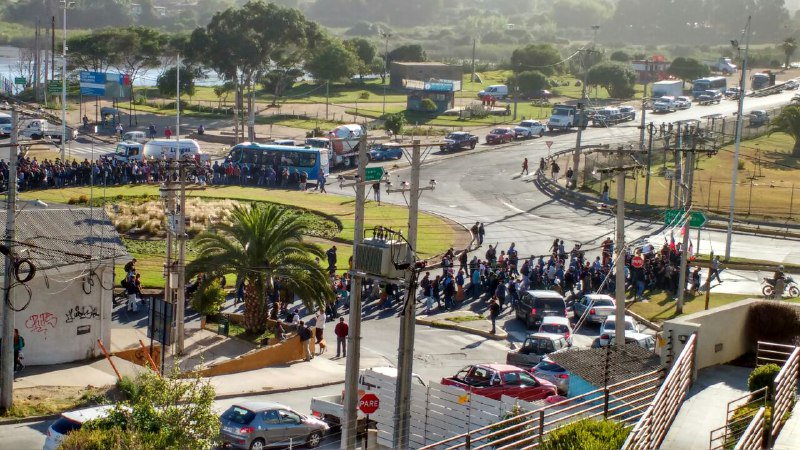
(773, 322)
(587, 434)
(130, 387)
(763, 376)
(511, 414)
(740, 165)
(428, 105)
(394, 122)
(364, 95)
(209, 298)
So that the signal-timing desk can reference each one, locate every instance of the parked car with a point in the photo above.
(458, 140)
(732, 92)
(606, 117)
(257, 425)
(683, 102)
(535, 347)
(557, 325)
(791, 85)
(71, 421)
(135, 136)
(495, 380)
(627, 112)
(596, 307)
(529, 129)
(709, 97)
(664, 104)
(6, 127)
(385, 152)
(534, 305)
(552, 372)
(609, 328)
(500, 135)
(758, 118)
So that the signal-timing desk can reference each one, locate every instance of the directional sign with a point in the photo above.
(19, 80)
(696, 219)
(374, 173)
(54, 87)
(93, 83)
(369, 403)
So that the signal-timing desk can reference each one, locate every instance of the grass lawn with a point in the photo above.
(461, 319)
(44, 400)
(770, 194)
(238, 331)
(661, 306)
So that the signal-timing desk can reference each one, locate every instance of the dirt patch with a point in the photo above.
(45, 400)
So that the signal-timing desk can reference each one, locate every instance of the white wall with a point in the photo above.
(62, 323)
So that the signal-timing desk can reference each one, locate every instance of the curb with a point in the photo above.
(30, 419)
(500, 336)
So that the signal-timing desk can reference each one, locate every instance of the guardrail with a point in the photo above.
(772, 353)
(753, 436)
(722, 437)
(784, 393)
(649, 432)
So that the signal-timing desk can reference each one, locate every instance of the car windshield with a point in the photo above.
(553, 328)
(499, 131)
(5, 120)
(603, 302)
(612, 325)
(549, 367)
(238, 415)
(454, 136)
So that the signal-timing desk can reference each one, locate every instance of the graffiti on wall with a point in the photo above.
(82, 312)
(40, 323)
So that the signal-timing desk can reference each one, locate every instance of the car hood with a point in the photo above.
(449, 141)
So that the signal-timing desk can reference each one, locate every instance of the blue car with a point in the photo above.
(385, 152)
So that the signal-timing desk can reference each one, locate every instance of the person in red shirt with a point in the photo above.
(167, 133)
(341, 330)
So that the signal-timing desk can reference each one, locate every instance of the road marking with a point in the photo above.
(512, 207)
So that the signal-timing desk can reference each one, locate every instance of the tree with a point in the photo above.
(788, 121)
(394, 122)
(410, 52)
(167, 82)
(332, 62)
(617, 78)
(265, 248)
(279, 80)
(93, 51)
(365, 51)
(620, 56)
(541, 57)
(688, 69)
(529, 82)
(170, 413)
(789, 46)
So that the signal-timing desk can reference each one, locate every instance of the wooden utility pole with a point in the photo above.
(7, 348)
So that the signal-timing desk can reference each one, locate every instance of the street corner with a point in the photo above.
(466, 322)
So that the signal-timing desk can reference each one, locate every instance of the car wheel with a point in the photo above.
(472, 145)
(257, 444)
(314, 439)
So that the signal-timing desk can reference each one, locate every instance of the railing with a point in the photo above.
(650, 430)
(753, 436)
(722, 437)
(623, 401)
(784, 393)
(772, 353)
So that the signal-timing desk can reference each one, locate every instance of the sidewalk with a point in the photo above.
(789, 437)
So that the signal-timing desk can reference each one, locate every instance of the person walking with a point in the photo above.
(524, 167)
(305, 340)
(376, 190)
(321, 181)
(319, 330)
(494, 313)
(167, 133)
(331, 254)
(341, 330)
(714, 271)
(481, 234)
(605, 192)
(554, 169)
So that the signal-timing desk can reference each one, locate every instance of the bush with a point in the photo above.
(364, 95)
(511, 414)
(428, 105)
(773, 322)
(740, 165)
(316, 132)
(587, 434)
(209, 298)
(763, 376)
(130, 387)
(394, 122)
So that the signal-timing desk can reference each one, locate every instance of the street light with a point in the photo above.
(385, 36)
(64, 5)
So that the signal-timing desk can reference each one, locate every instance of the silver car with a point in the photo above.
(596, 307)
(552, 372)
(258, 425)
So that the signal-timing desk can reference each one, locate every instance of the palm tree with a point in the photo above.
(788, 121)
(789, 46)
(264, 247)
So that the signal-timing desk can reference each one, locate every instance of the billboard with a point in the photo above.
(103, 84)
(93, 83)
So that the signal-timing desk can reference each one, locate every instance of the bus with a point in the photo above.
(719, 84)
(308, 160)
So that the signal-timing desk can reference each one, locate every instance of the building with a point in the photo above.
(651, 69)
(66, 307)
(427, 80)
(422, 71)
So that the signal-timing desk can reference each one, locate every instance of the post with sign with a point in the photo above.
(548, 144)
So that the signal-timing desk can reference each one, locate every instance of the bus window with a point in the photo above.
(249, 157)
(236, 154)
(307, 160)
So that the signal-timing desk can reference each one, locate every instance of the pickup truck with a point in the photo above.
(535, 348)
(40, 128)
(458, 140)
(606, 117)
(496, 380)
(330, 408)
(528, 129)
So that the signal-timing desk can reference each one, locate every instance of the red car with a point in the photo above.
(496, 380)
(500, 135)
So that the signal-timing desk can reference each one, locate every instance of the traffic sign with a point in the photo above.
(696, 219)
(373, 173)
(54, 87)
(369, 403)
(19, 80)
(548, 144)
(637, 262)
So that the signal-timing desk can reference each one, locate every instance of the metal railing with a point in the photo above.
(623, 401)
(722, 437)
(753, 436)
(784, 393)
(772, 353)
(651, 429)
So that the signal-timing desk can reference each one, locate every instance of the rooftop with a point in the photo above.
(624, 363)
(422, 63)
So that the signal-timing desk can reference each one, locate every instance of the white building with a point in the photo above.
(67, 306)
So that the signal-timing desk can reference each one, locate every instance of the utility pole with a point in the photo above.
(328, 96)
(53, 47)
(576, 155)
(180, 232)
(386, 37)
(352, 367)
(650, 130)
(678, 173)
(472, 76)
(739, 120)
(644, 115)
(36, 63)
(7, 357)
(64, 84)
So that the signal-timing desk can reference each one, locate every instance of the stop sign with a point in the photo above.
(637, 262)
(369, 403)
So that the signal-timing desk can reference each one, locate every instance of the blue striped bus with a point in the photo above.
(719, 84)
(308, 160)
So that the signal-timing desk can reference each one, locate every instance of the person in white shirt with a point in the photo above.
(319, 330)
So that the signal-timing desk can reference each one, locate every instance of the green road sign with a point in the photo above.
(19, 80)
(374, 173)
(696, 219)
(54, 87)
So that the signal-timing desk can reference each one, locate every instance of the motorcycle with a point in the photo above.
(789, 287)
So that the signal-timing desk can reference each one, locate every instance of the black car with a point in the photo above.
(458, 140)
(533, 306)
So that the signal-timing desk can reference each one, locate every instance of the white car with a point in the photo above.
(683, 102)
(609, 328)
(557, 325)
(665, 104)
(529, 129)
(71, 421)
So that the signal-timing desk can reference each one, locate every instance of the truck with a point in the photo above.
(667, 88)
(41, 129)
(496, 380)
(330, 408)
(722, 64)
(342, 143)
(762, 80)
(564, 117)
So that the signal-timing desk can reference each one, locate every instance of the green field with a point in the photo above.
(661, 306)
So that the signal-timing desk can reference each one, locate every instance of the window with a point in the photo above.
(553, 328)
(235, 154)
(526, 380)
(271, 417)
(511, 379)
(289, 417)
(238, 415)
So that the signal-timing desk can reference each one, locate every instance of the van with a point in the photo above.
(168, 149)
(135, 136)
(495, 90)
(534, 305)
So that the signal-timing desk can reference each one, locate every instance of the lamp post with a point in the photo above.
(64, 4)
(386, 37)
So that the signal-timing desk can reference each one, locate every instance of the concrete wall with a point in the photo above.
(721, 335)
(62, 323)
(281, 353)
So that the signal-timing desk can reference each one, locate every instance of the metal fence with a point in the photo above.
(784, 393)
(735, 426)
(753, 436)
(772, 353)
